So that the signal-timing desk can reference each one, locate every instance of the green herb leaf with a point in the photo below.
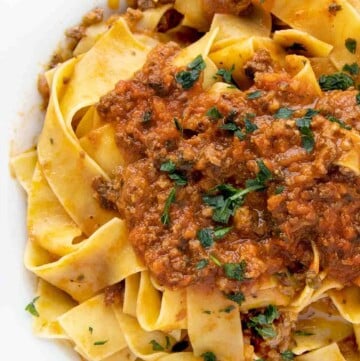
(202, 264)
(205, 237)
(156, 346)
(351, 45)
(91, 329)
(271, 313)
(254, 95)
(250, 127)
(168, 166)
(209, 356)
(165, 217)
(179, 179)
(338, 121)
(226, 74)
(262, 177)
(178, 126)
(232, 127)
(279, 189)
(187, 78)
(352, 69)
(100, 343)
(284, 113)
(31, 307)
(335, 81)
(227, 309)
(214, 114)
(237, 297)
(287, 355)
(262, 323)
(266, 331)
(235, 271)
(221, 232)
(307, 135)
(146, 117)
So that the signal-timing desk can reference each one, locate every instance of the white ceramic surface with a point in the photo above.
(29, 32)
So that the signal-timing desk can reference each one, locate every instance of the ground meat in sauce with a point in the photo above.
(319, 202)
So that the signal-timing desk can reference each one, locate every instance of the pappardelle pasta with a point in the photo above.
(194, 193)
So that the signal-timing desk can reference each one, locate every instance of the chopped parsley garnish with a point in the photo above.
(207, 236)
(351, 45)
(226, 74)
(254, 95)
(156, 346)
(91, 329)
(209, 356)
(262, 323)
(303, 333)
(358, 99)
(352, 69)
(146, 117)
(335, 81)
(178, 125)
(279, 189)
(250, 127)
(214, 114)
(235, 271)
(287, 355)
(31, 307)
(100, 343)
(232, 127)
(237, 297)
(230, 198)
(202, 264)
(165, 217)
(187, 78)
(284, 113)
(307, 135)
(338, 121)
(227, 309)
(170, 168)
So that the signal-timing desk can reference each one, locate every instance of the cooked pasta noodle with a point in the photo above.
(201, 200)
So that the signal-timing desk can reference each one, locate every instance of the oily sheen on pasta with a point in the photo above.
(194, 193)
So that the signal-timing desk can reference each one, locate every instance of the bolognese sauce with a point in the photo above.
(226, 187)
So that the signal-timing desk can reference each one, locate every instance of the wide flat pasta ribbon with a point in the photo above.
(328, 353)
(214, 324)
(102, 260)
(93, 327)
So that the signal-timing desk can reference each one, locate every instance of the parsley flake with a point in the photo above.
(156, 346)
(250, 127)
(262, 323)
(100, 343)
(209, 356)
(187, 78)
(214, 114)
(279, 189)
(232, 127)
(235, 271)
(202, 264)
(351, 45)
(227, 309)
(352, 69)
(170, 168)
(254, 95)
(287, 355)
(31, 307)
(338, 121)
(335, 81)
(237, 297)
(91, 329)
(284, 113)
(226, 74)
(178, 125)
(207, 236)
(165, 217)
(307, 135)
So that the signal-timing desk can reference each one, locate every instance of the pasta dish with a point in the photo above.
(194, 193)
